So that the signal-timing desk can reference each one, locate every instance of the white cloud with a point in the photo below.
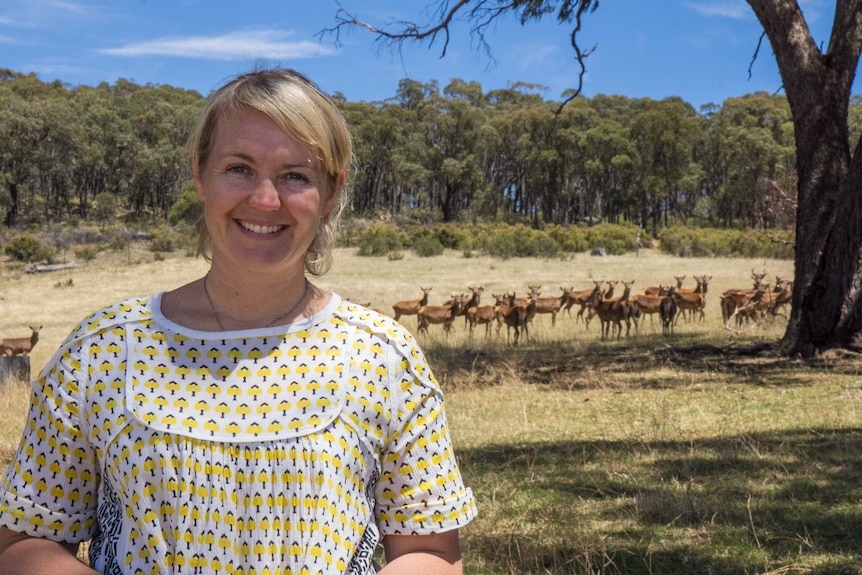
(42, 14)
(232, 46)
(735, 9)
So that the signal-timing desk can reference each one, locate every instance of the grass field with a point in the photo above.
(648, 455)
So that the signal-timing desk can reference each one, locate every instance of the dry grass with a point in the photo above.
(650, 455)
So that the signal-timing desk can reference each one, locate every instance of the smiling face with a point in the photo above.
(264, 194)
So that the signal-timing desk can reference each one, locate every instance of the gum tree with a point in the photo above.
(827, 298)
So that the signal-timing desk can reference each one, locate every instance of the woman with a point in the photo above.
(249, 421)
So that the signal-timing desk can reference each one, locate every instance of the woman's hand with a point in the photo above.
(438, 554)
(24, 555)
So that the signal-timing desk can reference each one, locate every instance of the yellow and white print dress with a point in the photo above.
(286, 450)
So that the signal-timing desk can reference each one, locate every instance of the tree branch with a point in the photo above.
(482, 14)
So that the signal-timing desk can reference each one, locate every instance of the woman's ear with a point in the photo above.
(330, 202)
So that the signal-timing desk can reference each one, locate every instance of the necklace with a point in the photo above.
(270, 324)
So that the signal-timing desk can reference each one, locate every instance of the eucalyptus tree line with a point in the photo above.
(61, 147)
(453, 153)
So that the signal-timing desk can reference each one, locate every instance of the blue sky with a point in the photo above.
(699, 50)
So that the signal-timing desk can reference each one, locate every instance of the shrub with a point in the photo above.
(117, 243)
(453, 236)
(165, 239)
(380, 240)
(614, 238)
(87, 253)
(188, 208)
(428, 246)
(516, 241)
(28, 248)
(709, 242)
(572, 239)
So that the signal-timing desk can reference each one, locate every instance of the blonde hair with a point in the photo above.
(297, 106)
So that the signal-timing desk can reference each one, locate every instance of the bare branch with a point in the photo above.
(405, 30)
(482, 14)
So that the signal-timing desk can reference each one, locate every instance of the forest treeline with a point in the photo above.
(451, 155)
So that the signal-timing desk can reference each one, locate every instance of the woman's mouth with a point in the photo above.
(260, 229)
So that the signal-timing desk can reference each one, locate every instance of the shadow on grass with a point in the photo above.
(573, 365)
(782, 502)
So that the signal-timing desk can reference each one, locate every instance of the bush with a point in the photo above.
(614, 238)
(709, 242)
(28, 248)
(453, 236)
(380, 240)
(571, 239)
(165, 239)
(188, 208)
(87, 253)
(428, 246)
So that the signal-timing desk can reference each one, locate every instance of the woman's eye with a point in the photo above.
(237, 170)
(295, 177)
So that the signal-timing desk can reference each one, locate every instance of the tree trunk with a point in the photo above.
(827, 294)
(12, 214)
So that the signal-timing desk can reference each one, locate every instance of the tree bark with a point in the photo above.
(827, 295)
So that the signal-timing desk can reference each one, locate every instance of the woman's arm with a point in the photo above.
(24, 555)
(438, 554)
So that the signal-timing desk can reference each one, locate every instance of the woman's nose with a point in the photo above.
(265, 196)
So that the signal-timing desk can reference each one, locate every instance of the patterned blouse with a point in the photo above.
(285, 450)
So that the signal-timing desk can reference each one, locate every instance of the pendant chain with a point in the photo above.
(270, 324)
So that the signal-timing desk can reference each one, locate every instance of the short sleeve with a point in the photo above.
(420, 490)
(50, 488)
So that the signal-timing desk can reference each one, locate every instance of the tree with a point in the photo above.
(827, 299)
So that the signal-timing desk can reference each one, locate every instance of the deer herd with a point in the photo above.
(669, 302)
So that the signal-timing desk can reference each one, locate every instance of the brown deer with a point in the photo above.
(485, 314)
(410, 307)
(649, 305)
(609, 294)
(515, 315)
(733, 299)
(581, 298)
(662, 289)
(552, 305)
(693, 301)
(612, 312)
(20, 345)
(441, 314)
(667, 311)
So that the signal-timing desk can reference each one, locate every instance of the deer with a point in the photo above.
(661, 289)
(608, 294)
(516, 315)
(612, 312)
(693, 301)
(552, 305)
(733, 299)
(20, 345)
(649, 305)
(782, 295)
(753, 308)
(667, 311)
(486, 314)
(474, 300)
(581, 298)
(441, 314)
(410, 307)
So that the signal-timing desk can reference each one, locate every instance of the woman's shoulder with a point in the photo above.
(373, 321)
(135, 309)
